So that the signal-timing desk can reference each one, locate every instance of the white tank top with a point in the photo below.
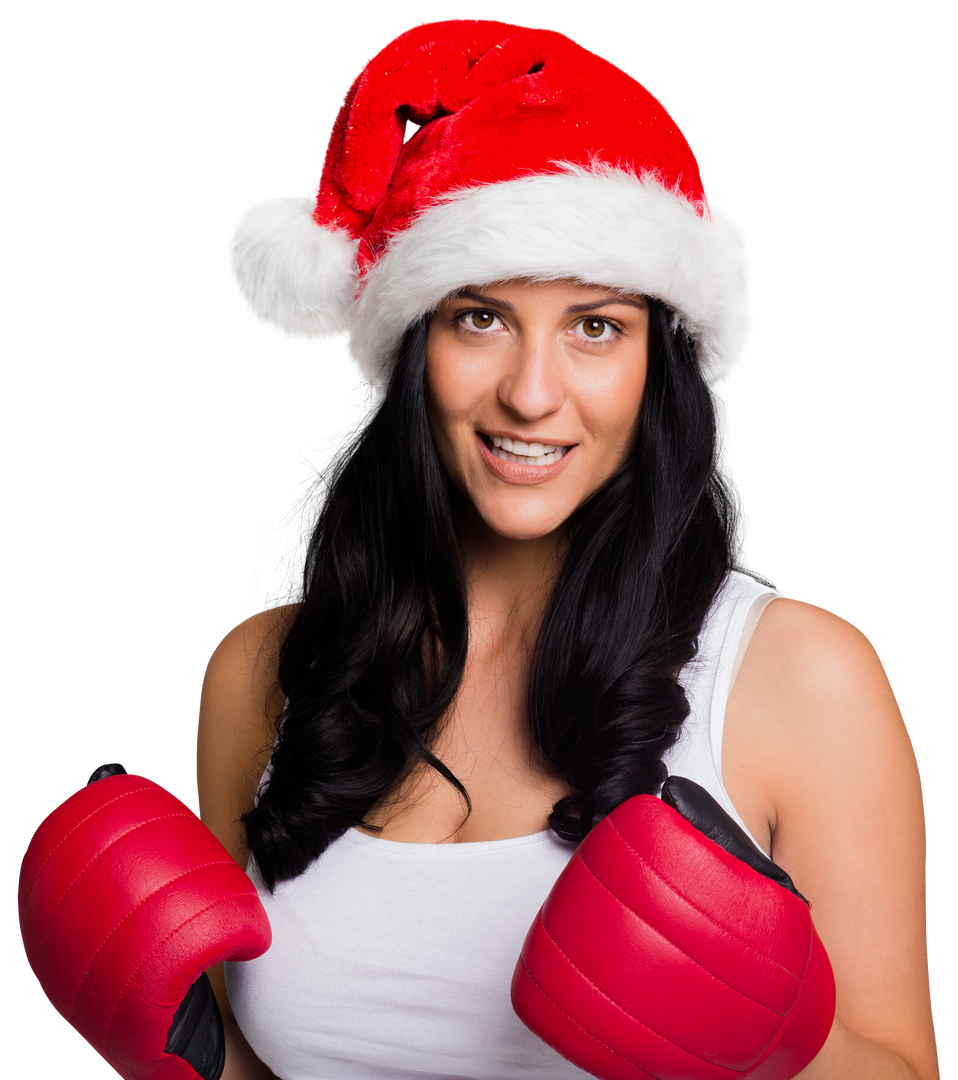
(393, 961)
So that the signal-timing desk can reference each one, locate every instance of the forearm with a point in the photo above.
(241, 1062)
(847, 1056)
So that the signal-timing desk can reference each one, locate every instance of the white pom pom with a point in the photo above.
(289, 278)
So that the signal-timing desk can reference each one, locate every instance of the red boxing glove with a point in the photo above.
(660, 954)
(126, 900)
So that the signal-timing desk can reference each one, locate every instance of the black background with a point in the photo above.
(163, 420)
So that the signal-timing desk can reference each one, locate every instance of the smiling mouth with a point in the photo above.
(523, 453)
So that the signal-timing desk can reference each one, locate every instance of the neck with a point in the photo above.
(508, 581)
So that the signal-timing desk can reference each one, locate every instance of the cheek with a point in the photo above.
(457, 382)
(438, 392)
(633, 379)
(613, 402)
(450, 401)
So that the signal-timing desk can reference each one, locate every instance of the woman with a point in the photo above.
(555, 698)
(519, 610)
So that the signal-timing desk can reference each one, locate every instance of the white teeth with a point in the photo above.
(521, 453)
(527, 449)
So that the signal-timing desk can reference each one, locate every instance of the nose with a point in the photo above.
(532, 385)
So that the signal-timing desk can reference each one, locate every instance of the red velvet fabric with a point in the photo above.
(496, 102)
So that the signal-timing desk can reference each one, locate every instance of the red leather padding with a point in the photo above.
(658, 954)
(125, 899)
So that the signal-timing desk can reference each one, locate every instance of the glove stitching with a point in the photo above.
(698, 963)
(623, 1009)
(700, 910)
(572, 1020)
(657, 931)
(149, 957)
(130, 913)
(102, 851)
(64, 839)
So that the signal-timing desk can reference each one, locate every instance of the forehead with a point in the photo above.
(566, 293)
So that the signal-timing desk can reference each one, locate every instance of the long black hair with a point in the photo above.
(376, 651)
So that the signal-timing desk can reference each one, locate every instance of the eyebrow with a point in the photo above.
(572, 309)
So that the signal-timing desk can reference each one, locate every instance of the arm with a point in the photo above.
(848, 1055)
(691, 957)
(816, 751)
(238, 711)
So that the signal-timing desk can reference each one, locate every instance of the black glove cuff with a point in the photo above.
(698, 807)
(196, 1034)
(106, 770)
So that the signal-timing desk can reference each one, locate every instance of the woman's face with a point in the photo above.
(534, 392)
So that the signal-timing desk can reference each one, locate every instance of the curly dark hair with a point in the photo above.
(375, 655)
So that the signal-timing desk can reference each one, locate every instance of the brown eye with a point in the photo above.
(594, 328)
(482, 320)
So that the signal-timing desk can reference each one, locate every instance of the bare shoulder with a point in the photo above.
(238, 709)
(817, 652)
(812, 693)
(815, 741)
(812, 708)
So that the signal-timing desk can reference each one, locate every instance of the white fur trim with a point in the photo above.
(294, 273)
(602, 226)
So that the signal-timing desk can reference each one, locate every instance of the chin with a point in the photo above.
(525, 526)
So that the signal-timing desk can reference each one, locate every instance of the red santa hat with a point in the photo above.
(534, 159)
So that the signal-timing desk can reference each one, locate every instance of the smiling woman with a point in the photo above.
(541, 381)
(509, 779)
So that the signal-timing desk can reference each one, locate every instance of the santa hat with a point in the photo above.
(534, 159)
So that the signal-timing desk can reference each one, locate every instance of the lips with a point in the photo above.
(523, 462)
